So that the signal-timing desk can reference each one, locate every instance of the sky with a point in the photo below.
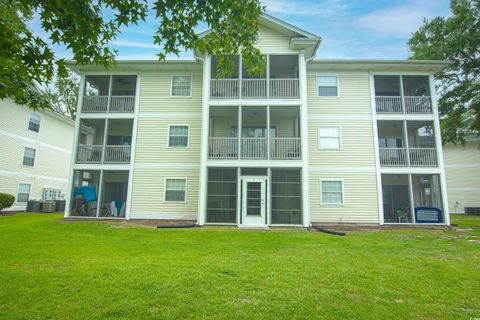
(350, 29)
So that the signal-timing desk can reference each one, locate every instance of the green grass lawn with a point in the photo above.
(97, 270)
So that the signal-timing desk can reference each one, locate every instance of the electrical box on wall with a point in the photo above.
(51, 194)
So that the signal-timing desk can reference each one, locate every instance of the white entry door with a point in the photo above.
(253, 201)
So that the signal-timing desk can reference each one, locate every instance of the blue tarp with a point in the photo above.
(89, 193)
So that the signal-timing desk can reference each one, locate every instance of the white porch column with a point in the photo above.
(439, 148)
(203, 183)
(76, 134)
(304, 139)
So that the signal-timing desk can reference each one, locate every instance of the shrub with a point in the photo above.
(6, 200)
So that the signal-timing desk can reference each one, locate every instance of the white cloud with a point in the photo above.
(306, 8)
(399, 21)
(134, 44)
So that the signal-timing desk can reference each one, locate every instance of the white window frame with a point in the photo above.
(34, 158)
(171, 85)
(318, 75)
(18, 190)
(30, 119)
(165, 189)
(321, 192)
(188, 136)
(339, 137)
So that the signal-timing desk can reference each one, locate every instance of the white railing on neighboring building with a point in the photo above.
(89, 154)
(117, 154)
(284, 88)
(418, 104)
(222, 148)
(393, 156)
(254, 148)
(95, 104)
(423, 157)
(285, 148)
(94, 154)
(254, 88)
(224, 88)
(122, 103)
(389, 104)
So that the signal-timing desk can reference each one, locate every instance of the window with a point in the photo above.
(181, 86)
(23, 192)
(331, 192)
(175, 190)
(178, 136)
(327, 86)
(329, 138)
(34, 122)
(29, 157)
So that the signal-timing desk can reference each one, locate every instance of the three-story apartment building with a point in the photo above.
(309, 141)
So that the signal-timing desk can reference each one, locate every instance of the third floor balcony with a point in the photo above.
(112, 94)
(402, 94)
(280, 80)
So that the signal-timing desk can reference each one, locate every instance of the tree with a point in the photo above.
(28, 61)
(63, 98)
(456, 38)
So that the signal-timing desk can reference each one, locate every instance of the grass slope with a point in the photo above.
(97, 270)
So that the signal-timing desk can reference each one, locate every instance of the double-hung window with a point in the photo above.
(329, 137)
(178, 136)
(175, 190)
(23, 192)
(181, 86)
(29, 157)
(34, 122)
(327, 86)
(331, 192)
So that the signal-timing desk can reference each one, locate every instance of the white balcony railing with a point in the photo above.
(117, 154)
(94, 154)
(389, 104)
(254, 88)
(423, 157)
(284, 88)
(224, 88)
(393, 157)
(89, 154)
(99, 104)
(254, 148)
(418, 104)
(222, 148)
(95, 104)
(122, 103)
(285, 148)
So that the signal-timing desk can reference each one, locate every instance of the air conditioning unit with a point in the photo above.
(51, 194)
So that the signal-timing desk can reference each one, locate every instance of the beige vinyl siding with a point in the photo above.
(353, 90)
(462, 172)
(359, 196)
(149, 194)
(271, 41)
(155, 93)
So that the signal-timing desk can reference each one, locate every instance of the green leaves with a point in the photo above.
(456, 38)
(27, 61)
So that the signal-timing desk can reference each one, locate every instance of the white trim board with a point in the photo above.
(30, 176)
(33, 141)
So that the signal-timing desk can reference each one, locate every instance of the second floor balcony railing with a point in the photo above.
(254, 148)
(100, 104)
(416, 157)
(409, 104)
(98, 154)
(255, 88)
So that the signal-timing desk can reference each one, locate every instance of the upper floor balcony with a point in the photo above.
(402, 94)
(241, 133)
(112, 94)
(280, 80)
(407, 144)
(105, 141)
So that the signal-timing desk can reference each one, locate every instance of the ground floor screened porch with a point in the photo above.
(254, 197)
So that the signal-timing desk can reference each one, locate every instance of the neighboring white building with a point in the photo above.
(462, 169)
(310, 141)
(35, 152)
